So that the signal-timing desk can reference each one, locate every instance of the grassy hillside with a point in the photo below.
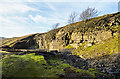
(11, 41)
(106, 47)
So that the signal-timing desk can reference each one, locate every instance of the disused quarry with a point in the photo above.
(66, 51)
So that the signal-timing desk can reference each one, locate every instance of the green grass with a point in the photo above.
(31, 65)
(107, 47)
(4, 51)
(26, 66)
(116, 28)
(10, 41)
(69, 46)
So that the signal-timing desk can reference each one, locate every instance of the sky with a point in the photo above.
(23, 17)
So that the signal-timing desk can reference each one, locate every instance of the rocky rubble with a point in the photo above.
(107, 64)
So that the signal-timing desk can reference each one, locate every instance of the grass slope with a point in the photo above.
(107, 47)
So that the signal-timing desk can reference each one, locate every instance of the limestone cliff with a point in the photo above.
(96, 30)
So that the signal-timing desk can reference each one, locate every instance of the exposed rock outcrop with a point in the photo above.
(99, 29)
(96, 30)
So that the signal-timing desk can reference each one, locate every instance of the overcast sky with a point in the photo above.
(22, 17)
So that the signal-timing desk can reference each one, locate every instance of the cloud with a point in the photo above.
(38, 19)
(13, 8)
(46, 20)
(9, 27)
(51, 6)
(12, 23)
(14, 20)
(18, 26)
(71, 0)
(59, 0)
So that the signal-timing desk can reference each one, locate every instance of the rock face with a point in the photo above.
(101, 29)
(96, 30)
